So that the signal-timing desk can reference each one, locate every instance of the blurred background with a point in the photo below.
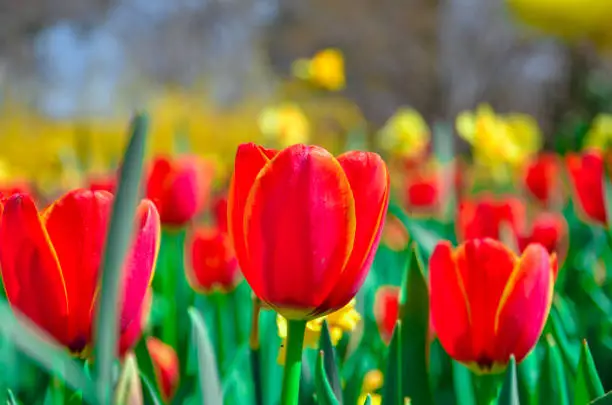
(75, 70)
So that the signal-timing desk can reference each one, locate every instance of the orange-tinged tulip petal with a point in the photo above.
(523, 297)
(300, 227)
(250, 159)
(369, 180)
(486, 303)
(77, 225)
(30, 268)
(166, 367)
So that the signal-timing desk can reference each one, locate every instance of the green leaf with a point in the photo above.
(418, 231)
(463, 384)
(568, 354)
(143, 359)
(35, 343)
(528, 372)
(607, 187)
(129, 389)
(509, 394)
(414, 314)
(588, 385)
(368, 400)
(331, 367)
(11, 400)
(325, 392)
(605, 400)
(552, 385)
(208, 386)
(118, 240)
(392, 388)
(149, 393)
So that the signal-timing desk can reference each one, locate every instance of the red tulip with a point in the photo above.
(213, 261)
(220, 213)
(549, 230)
(102, 183)
(306, 225)
(586, 173)
(488, 304)
(166, 367)
(485, 217)
(179, 188)
(423, 192)
(542, 177)
(50, 262)
(386, 310)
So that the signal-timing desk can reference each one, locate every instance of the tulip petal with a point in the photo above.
(300, 226)
(586, 173)
(369, 180)
(30, 268)
(77, 225)
(250, 159)
(485, 266)
(449, 306)
(529, 291)
(132, 332)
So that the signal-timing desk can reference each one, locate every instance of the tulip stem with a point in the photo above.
(486, 387)
(219, 303)
(293, 362)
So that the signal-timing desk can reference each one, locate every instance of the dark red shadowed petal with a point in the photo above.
(586, 173)
(30, 268)
(386, 310)
(77, 224)
(250, 159)
(449, 307)
(525, 305)
(158, 180)
(369, 181)
(541, 176)
(300, 228)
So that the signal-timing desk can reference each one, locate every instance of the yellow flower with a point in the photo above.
(499, 141)
(343, 320)
(406, 133)
(325, 69)
(568, 19)
(600, 134)
(372, 382)
(284, 125)
(376, 399)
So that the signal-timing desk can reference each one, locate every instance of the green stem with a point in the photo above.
(219, 303)
(255, 354)
(236, 312)
(293, 362)
(486, 387)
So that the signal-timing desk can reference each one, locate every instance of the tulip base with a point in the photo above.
(486, 388)
(293, 362)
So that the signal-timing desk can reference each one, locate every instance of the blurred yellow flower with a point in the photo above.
(498, 141)
(284, 125)
(343, 320)
(372, 382)
(324, 69)
(600, 133)
(568, 19)
(406, 133)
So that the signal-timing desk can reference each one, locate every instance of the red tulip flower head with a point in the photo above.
(213, 262)
(549, 230)
(166, 367)
(488, 304)
(305, 225)
(179, 188)
(50, 263)
(542, 177)
(386, 310)
(484, 217)
(586, 173)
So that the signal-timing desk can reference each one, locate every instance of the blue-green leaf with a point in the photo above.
(209, 386)
(392, 388)
(552, 380)
(588, 385)
(325, 393)
(149, 393)
(120, 233)
(509, 394)
(331, 367)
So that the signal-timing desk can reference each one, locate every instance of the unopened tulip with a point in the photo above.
(166, 367)
(586, 172)
(50, 263)
(542, 177)
(179, 188)
(213, 265)
(305, 225)
(487, 304)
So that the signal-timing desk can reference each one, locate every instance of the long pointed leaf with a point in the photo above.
(209, 386)
(392, 389)
(463, 384)
(117, 244)
(331, 367)
(552, 387)
(325, 393)
(588, 385)
(414, 314)
(129, 388)
(509, 394)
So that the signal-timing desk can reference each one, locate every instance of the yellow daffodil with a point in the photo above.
(499, 142)
(372, 382)
(600, 134)
(324, 69)
(343, 320)
(284, 125)
(568, 19)
(406, 133)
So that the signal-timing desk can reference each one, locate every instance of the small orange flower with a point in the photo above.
(306, 225)
(166, 367)
(179, 188)
(50, 262)
(586, 172)
(213, 261)
(386, 310)
(488, 304)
